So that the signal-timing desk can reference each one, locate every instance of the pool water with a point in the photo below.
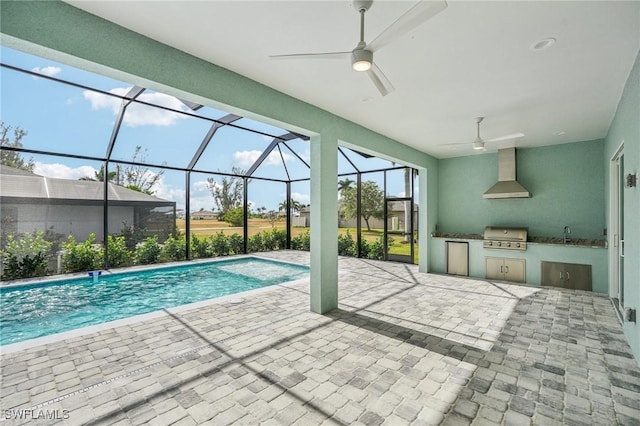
(44, 309)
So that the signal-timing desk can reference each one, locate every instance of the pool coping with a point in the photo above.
(228, 299)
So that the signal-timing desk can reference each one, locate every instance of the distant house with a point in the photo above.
(395, 218)
(204, 214)
(30, 202)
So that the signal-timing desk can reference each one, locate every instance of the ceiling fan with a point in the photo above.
(362, 54)
(479, 143)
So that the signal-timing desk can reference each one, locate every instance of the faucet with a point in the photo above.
(566, 236)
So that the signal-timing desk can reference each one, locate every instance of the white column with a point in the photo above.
(324, 223)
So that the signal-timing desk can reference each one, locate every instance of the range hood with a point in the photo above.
(507, 186)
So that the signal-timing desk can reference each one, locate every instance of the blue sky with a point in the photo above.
(66, 119)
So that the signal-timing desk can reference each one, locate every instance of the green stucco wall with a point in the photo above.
(566, 183)
(626, 128)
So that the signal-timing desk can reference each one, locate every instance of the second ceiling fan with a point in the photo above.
(479, 143)
(362, 54)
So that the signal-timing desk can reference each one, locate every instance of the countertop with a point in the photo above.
(575, 242)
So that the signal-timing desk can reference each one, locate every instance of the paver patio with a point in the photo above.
(403, 348)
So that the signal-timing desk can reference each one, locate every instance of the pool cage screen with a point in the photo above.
(123, 196)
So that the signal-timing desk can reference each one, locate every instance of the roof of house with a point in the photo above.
(17, 183)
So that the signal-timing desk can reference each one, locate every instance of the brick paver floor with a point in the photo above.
(403, 348)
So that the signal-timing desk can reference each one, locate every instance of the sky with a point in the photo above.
(62, 118)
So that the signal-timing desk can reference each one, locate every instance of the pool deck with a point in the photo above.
(403, 348)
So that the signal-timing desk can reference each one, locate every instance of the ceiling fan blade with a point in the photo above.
(329, 55)
(506, 137)
(380, 80)
(418, 14)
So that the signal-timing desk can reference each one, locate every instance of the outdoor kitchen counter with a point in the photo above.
(577, 242)
(578, 251)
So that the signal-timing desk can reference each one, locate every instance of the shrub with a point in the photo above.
(235, 216)
(255, 243)
(364, 249)
(79, 257)
(174, 248)
(281, 238)
(220, 244)
(148, 251)
(201, 247)
(274, 240)
(376, 249)
(27, 257)
(118, 254)
(301, 242)
(347, 245)
(132, 236)
(236, 244)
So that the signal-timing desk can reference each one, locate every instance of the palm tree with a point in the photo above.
(345, 184)
(99, 176)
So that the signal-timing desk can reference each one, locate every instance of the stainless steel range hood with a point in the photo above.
(507, 186)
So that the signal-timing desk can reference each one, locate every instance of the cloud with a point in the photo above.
(48, 71)
(169, 192)
(138, 114)
(61, 171)
(301, 198)
(201, 197)
(248, 158)
(201, 186)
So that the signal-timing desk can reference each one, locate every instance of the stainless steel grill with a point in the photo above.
(505, 238)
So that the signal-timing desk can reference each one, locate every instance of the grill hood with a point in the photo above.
(507, 186)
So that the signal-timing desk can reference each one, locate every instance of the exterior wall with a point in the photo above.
(76, 220)
(625, 128)
(566, 183)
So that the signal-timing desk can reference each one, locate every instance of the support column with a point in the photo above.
(324, 223)
(423, 225)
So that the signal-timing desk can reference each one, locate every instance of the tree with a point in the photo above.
(296, 206)
(371, 206)
(228, 193)
(99, 176)
(272, 217)
(138, 177)
(13, 158)
(344, 184)
(235, 216)
(134, 176)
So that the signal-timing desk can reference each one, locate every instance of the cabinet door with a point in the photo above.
(514, 270)
(578, 276)
(552, 274)
(494, 268)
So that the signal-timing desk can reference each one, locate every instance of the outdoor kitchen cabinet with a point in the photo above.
(566, 275)
(505, 269)
(457, 258)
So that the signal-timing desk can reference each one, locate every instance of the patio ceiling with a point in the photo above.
(473, 59)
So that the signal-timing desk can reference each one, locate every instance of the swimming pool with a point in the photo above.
(32, 311)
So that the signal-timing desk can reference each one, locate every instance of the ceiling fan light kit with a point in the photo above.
(478, 145)
(361, 59)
